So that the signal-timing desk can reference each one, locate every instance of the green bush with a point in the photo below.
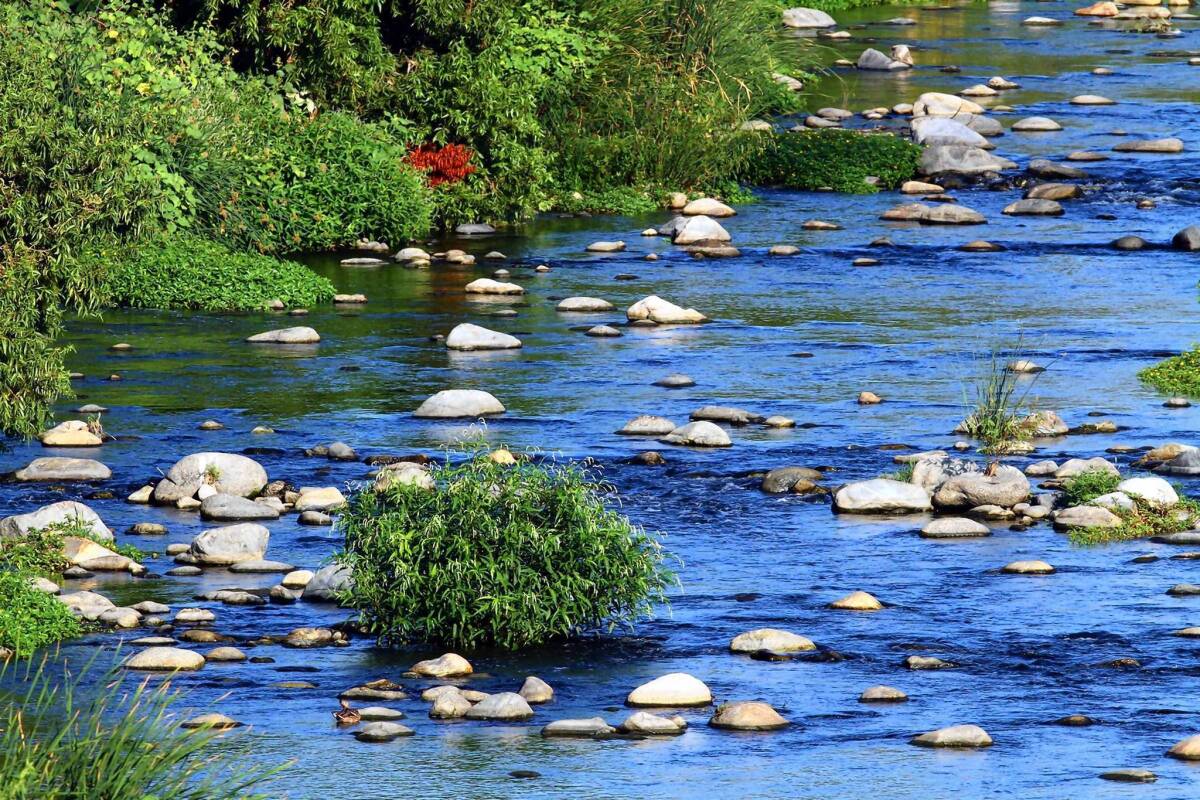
(836, 159)
(88, 736)
(1087, 486)
(1178, 375)
(1143, 521)
(187, 272)
(31, 619)
(510, 556)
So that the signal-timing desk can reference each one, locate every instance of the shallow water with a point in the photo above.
(916, 329)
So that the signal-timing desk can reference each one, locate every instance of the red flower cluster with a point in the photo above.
(448, 164)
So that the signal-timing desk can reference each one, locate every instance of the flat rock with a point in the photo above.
(583, 305)
(590, 728)
(459, 403)
(954, 528)
(747, 715)
(675, 690)
(490, 286)
(54, 468)
(62, 512)
(1085, 517)
(467, 336)
(297, 335)
(501, 706)
(382, 732)
(648, 425)
(1032, 207)
(166, 659)
(231, 508)
(882, 694)
(1028, 568)
(955, 736)
(881, 496)
(773, 639)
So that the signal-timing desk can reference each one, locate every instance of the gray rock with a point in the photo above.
(591, 728)
(327, 582)
(1034, 208)
(64, 511)
(382, 732)
(63, 469)
(231, 508)
(1007, 487)
(931, 131)
(675, 381)
(726, 414)
(298, 335)
(807, 18)
(954, 528)
(1187, 239)
(781, 479)
(961, 160)
(648, 425)
(474, 229)
(1085, 517)
(1044, 168)
(246, 541)
(872, 59)
(699, 230)
(227, 473)
(647, 724)
(501, 706)
(956, 736)
(698, 434)
(1077, 466)
(467, 336)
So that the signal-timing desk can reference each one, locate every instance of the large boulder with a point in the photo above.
(231, 544)
(1187, 239)
(1005, 488)
(700, 230)
(960, 159)
(938, 104)
(459, 403)
(807, 18)
(747, 715)
(1085, 517)
(86, 605)
(881, 496)
(708, 207)
(656, 309)
(467, 336)
(328, 582)
(164, 659)
(1152, 489)
(955, 736)
(501, 706)
(872, 59)
(71, 433)
(932, 131)
(64, 511)
(227, 473)
(55, 468)
(298, 335)
(698, 434)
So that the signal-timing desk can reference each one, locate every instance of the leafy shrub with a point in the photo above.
(837, 159)
(1144, 520)
(112, 743)
(1178, 375)
(40, 551)
(188, 272)
(30, 618)
(510, 556)
(1087, 486)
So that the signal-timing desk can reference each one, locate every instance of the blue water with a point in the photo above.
(916, 329)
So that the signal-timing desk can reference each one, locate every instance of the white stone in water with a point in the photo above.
(1091, 100)
(64, 511)
(165, 659)
(770, 639)
(708, 207)
(448, 665)
(656, 309)
(955, 736)
(1028, 568)
(881, 496)
(298, 335)
(857, 601)
(458, 403)
(583, 305)
(648, 425)
(606, 247)
(1153, 489)
(747, 715)
(535, 690)
(590, 728)
(807, 18)
(698, 434)
(647, 724)
(467, 336)
(675, 690)
(489, 286)
(882, 694)
(700, 229)
(501, 706)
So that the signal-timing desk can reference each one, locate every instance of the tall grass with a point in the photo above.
(998, 405)
(59, 740)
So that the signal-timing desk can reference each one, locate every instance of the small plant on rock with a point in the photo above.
(494, 555)
(1143, 521)
(998, 415)
(1087, 486)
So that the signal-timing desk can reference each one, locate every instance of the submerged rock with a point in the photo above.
(955, 736)
(747, 715)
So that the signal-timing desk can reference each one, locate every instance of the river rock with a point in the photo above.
(920, 187)
(227, 473)
(298, 335)
(1129, 775)
(70, 433)
(931, 131)
(1187, 749)
(700, 230)
(781, 480)
(938, 104)
(535, 690)
(747, 715)
(230, 508)
(872, 59)
(86, 605)
(807, 18)
(218, 547)
(961, 160)
(1085, 517)
(1007, 487)
(590, 728)
(707, 206)
(1168, 145)
(881, 496)
(1044, 168)
(770, 639)
(882, 694)
(954, 528)
(583, 305)
(1036, 125)
(489, 286)
(225, 654)
(955, 736)
(164, 659)
(63, 469)
(648, 425)
(382, 732)
(675, 690)
(1053, 191)
(1028, 568)
(1104, 8)
(1153, 489)
(1034, 208)
(459, 403)
(1187, 239)
(647, 724)
(467, 336)
(857, 601)
(327, 582)
(1077, 466)
(319, 499)
(501, 706)
(655, 309)
(698, 434)
(62, 512)
(448, 665)
(605, 247)
(675, 381)
(726, 414)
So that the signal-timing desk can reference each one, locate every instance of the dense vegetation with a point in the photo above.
(836, 159)
(1143, 521)
(116, 744)
(509, 556)
(29, 618)
(137, 136)
(1178, 375)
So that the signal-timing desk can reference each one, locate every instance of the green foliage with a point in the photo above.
(40, 551)
(1143, 521)
(30, 619)
(1087, 486)
(115, 743)
(903, 474)
(999, 415)
(187, 272)
(1178, 375)
(511, 556)
(835, 159)
(842, 5)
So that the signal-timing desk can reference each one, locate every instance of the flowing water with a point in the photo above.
(916, 329)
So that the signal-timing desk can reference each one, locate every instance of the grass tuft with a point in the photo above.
(1087, 486)
(1178, 375)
